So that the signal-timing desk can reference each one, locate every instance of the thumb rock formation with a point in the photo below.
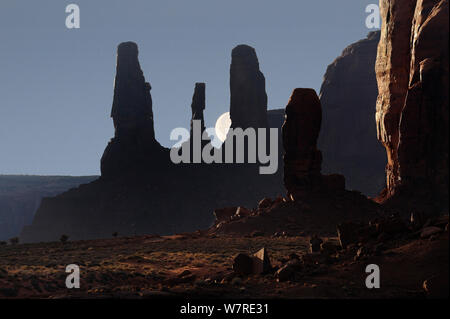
(302, 159)
(412, 107)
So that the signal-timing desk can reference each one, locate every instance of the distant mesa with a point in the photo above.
(348, 138)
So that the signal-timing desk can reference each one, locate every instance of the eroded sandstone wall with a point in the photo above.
(412, 106)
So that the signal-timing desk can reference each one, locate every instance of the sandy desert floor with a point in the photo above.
(199, 266)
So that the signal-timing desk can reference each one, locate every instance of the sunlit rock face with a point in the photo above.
(412, 106)
(348, 138)
(134, 139)
(248, 104)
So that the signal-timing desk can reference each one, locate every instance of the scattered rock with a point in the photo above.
(348, 233)
(429, 231)
(315, 243)
(285, 273)
(265, 203)
(261, 262)
(393, 225)
(362, 252)
(329, 247)
(242, 212)
(224, 214)
(243, 264)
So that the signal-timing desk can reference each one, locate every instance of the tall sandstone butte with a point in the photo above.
(248, 104)
(198, 105)
(412, 105)
(302, 159)
(134, 141)
(141, 191)
(348, 138)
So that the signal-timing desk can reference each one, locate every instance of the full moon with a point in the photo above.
(223, 124)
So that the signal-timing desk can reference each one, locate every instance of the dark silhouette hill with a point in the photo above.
(20, 196)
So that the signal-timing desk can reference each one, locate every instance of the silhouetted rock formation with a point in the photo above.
(302, 159)
(141, 191)
(348, 138)
(134, 141)
(412, 107)
(198, 105)
(315, 203)
(248, 105)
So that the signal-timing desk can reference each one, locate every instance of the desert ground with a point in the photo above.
(198, 265)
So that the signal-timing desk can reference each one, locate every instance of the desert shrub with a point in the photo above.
(64, 238)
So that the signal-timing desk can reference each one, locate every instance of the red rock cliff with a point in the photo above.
(412, 106)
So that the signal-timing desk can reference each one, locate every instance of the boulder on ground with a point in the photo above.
(315, 243)
(243, 264)
(349, 233)
(257, 264)
(261, 262)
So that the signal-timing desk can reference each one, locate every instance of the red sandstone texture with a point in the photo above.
(412, 106)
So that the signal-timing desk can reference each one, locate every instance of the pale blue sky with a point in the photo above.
(56, 84)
